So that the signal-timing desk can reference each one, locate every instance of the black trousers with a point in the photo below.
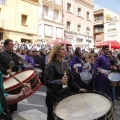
(49, 104)
(3, 116)
(12, 107)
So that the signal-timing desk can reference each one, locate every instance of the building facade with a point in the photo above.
(50, 23)
(106, 25)
(17, 21)
(78, 20)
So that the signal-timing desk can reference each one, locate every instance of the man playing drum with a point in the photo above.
(102, 67)
(5, 58)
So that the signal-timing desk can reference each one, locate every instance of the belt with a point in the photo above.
(103, 70)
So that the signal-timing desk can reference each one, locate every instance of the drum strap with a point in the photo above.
(87, 86)
(5, 106)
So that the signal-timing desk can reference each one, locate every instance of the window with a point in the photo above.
(45, 10)
(79, 11)
(3, 2)
(68, 24)
(79, 40)
(68, 6)
(112, 30)
(88, 15)
(56, 14)
(24, 19)
(78, 28)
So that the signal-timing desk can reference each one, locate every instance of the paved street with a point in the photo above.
(33, 108)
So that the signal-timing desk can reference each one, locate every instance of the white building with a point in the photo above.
(112, 27)
(50, 21)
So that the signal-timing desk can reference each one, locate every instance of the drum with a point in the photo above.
(12, 86)
(86, 77)
(38, 71)
(84, 106)
(114, 79)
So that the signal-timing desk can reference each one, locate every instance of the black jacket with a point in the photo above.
(52, 75)
(5, 58)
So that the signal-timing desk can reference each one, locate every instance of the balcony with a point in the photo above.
(1, 24)
(51, 18)
(97, 30)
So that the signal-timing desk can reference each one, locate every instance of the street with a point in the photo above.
(34, 108)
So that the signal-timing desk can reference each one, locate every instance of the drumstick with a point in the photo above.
(64, 69)
(22, 60)
(11, 65)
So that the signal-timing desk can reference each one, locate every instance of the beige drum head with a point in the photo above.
(85, 106)
(21, 76)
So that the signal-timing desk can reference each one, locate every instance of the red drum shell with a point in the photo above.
(32, 78)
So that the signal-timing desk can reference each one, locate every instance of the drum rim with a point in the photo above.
(95, 92)
(84, 79)
(18, 84)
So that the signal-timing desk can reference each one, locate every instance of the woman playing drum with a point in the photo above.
(54, 78)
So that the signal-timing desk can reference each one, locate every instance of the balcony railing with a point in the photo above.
(51, 18)
(98, 30)
(58, 2)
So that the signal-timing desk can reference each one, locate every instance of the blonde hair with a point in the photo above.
(52, 55)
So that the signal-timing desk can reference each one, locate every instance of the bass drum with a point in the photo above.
(12, 86)
(84, 106)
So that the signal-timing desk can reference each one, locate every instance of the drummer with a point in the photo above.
(25, 91)
(102, 66)
(5, 58)
(54, 79)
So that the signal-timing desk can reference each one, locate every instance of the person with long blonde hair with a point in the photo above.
(54, 79)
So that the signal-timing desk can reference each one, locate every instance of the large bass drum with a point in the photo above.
(114, 79)
(84, 106)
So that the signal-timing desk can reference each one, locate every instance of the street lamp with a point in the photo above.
(88, 31)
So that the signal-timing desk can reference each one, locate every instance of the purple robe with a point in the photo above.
(77, 62)
(30, 60)
(101, 80)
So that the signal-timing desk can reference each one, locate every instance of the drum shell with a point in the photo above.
(114, 83)
(32, 79)
(108, 116)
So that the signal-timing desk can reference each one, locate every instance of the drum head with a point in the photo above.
(22, 76)
(85, 106)
(114, 77)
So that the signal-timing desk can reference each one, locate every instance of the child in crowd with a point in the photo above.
(86, 65)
